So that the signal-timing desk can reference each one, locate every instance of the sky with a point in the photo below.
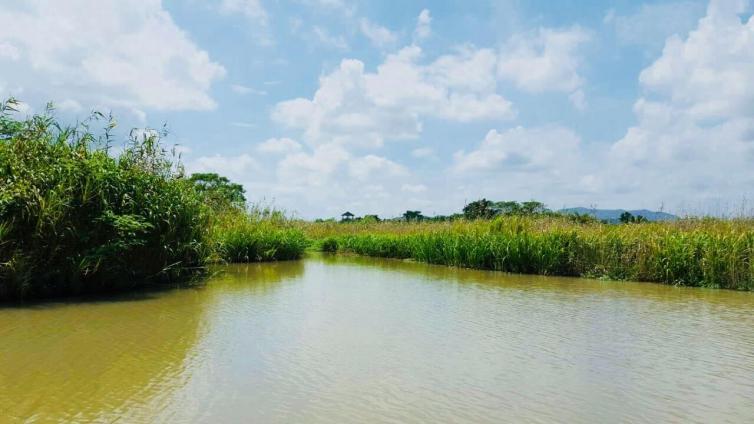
(323, 106)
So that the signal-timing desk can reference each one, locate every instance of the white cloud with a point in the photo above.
(252, 9)
(242, 89)
(521, 150)
(378, 35)
(547, 60)
(326, 39)
(357, 107)
(244, 124)
(279, 146)
(365, 167)
(651, 24)
(423, 152)
(695, 132)
(423, 25)
(414, 188)
(9, 51)
(104, 53)
(234, 167)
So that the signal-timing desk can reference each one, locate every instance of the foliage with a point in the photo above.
(707, 253)
(413, 216)
(74, 219)
(479, 209)
(219, 191)
(487, 209)
(629, 218)
(261, 234)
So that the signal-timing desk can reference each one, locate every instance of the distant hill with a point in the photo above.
(613, 215)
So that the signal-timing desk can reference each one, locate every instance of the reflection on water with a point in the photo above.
(336, 338)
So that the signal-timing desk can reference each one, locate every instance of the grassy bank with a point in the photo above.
(255, 235)
(706, 253)
(76, 219)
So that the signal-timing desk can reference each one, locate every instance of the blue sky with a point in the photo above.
(321, 106)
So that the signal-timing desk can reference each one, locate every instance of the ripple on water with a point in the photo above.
(355, 339)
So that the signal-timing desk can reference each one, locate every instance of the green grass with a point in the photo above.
(74, 219)
(693, 252)
(254, 236)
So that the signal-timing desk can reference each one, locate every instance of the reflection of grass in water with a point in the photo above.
(257, 277)
(95, 361)
(707, 253)
(496, 280)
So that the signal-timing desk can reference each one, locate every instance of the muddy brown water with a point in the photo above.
(351, 339)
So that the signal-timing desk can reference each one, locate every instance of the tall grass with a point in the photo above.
(693, 252)
(74, 219)
(259, 234)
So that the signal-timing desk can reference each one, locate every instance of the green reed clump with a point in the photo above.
(254, 236)
(708, 253)
(74, 219)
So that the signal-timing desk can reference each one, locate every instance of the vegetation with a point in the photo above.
(255, 235)
(691, 252)
(75, 219)
(218, 191)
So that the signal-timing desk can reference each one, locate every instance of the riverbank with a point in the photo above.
(691, 252)
(76, 219)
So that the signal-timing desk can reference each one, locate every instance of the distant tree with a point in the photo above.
(508, 207)
(413, 216)
(629, 218)
(371, 218)
(479, 209)
(218, 190)
(533, 207)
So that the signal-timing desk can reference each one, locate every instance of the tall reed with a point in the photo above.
(692, 252)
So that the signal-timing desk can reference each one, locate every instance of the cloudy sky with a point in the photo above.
(377, 107)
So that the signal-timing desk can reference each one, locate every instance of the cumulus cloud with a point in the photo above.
(423, 25)
(695, 122)
(279, 146)
(235, 167)
(368, 166)
(131, 55)
(379, 36)
(651, 24)
(358, 107)
(521, 150)
(546, 60)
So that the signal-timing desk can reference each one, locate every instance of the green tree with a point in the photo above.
(479, 209)
(533, 207)
(219, 191)
(413, 216)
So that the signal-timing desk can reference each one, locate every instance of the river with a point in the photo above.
(352, 339)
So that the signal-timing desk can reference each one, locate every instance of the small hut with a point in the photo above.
(346, 216)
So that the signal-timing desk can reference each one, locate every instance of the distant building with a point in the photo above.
(346, 216)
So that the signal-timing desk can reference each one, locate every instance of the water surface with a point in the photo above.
(349, 339)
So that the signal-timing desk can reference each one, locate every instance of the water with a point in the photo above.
(342, 339)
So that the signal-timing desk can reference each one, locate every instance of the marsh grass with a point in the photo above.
(74, 219)
(256, 235)
(690, 252)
